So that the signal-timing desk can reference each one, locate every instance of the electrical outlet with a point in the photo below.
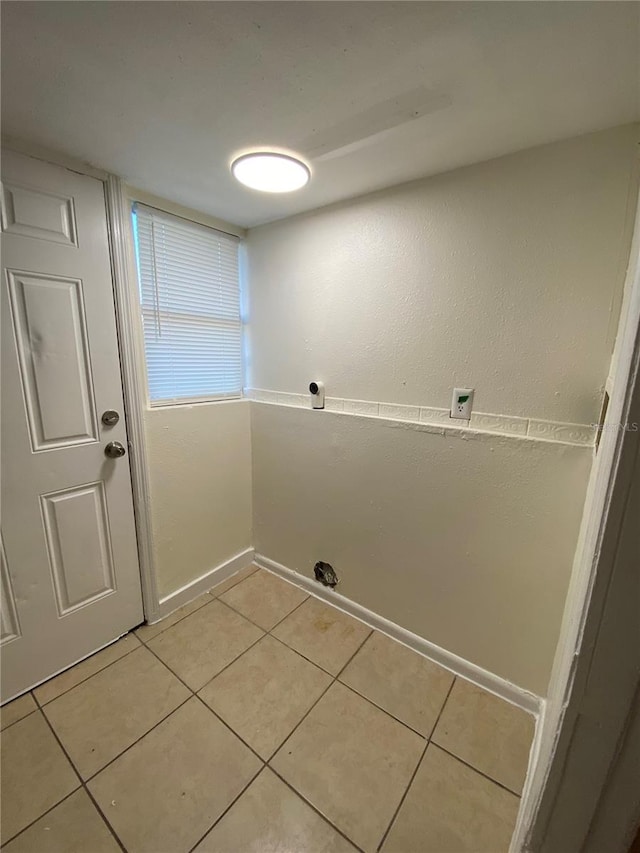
(462, 403)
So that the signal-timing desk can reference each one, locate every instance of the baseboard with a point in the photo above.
(459, 666)
(194, 588)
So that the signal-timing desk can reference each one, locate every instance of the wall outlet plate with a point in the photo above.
(461, 403)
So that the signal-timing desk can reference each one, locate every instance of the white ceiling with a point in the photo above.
(375, 93)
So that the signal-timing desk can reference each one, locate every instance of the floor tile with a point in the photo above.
(165, 792)
(223, 586)
(35, 774)
(452, 809)
(81, 671)
(75, 826)
(400, 681)
(147, 632)
(16, 710)
(490, 734)
(282, 686)
(352, 761)
(264, 599)
(323, 634)
(104, 715)
(270, 818)
(201, 645)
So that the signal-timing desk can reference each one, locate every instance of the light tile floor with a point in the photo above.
(258, 719)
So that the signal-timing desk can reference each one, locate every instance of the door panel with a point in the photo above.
(70, 571)
(78, 544)
(44, 216)
(53, 351)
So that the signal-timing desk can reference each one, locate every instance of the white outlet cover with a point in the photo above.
(462, 403)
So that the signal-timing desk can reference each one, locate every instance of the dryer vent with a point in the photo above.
(325, 574)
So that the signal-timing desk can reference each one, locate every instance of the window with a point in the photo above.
(190, 298)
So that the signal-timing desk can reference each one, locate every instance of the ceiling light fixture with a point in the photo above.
(270, 172)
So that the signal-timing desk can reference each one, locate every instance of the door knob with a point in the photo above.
(114, 450)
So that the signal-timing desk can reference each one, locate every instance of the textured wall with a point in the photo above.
(505, 276)
(200, 472)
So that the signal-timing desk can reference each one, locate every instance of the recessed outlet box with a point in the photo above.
(462, 403)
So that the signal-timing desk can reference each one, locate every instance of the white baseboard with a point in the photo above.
(194, 588)
(459, 666)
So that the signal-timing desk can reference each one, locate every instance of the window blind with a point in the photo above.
(190, 300)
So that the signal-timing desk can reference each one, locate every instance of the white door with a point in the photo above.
(70, 576)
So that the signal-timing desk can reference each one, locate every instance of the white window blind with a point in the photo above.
(190, 298)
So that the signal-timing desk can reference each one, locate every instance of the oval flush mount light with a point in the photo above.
(270, 172)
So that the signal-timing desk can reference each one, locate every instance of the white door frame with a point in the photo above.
(543, 813)
(134, 383)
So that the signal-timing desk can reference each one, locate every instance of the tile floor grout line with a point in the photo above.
(291, 612)
(102, 669)
(300, 721)
(83, 783)
(228, 808)
(475, 769)
(213, 677)
(384, 710)
(342, 669)
(137, 740)
(177, 622)
(256, 568)
(194, 695)
(238, 613)
(235, 584)
(186, 616)
(334, 679)
(444, 705)
(155, 725)
(233, 731)
(333, 675)
(44, 814)
(32, 711)
(403, 797)
(417, 767)
(264, 634)
(457, 757)
(304, 657)
(315, 809)
(273, 627)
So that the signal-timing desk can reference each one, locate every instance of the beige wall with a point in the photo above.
(467, 543)
(199, 460)
(506, 277)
